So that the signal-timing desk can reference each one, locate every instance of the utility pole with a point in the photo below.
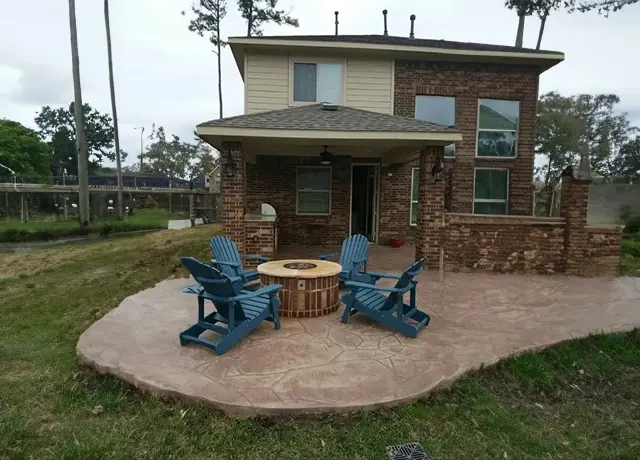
(141, 128)
(113, 109)
(81, 140)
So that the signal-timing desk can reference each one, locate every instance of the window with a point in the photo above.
(497, 128)
(490, 191)
(413, 213)
(440, 110)
(317, 82)
(314, 190)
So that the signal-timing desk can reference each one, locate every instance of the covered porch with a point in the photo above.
(328, 171)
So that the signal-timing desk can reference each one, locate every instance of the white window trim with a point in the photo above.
(411, 200)
(489, 200)
(298, 190)
(315, 60)
(455, 104)
(517, 131)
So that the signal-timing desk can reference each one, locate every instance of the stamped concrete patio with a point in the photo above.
(320, 365)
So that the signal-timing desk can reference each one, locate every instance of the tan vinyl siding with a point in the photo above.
(369, 84)
(267, 80)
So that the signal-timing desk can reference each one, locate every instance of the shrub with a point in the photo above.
(632, 225)
(631, 247)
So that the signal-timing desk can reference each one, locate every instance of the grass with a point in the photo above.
(579, 400)
(15, 231)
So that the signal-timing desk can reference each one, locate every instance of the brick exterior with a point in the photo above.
(233, 196)
(574, 201)
(504, 244)
(469, 82)
(260, 239)
(603, 252)
(273, 180)
(430, 208)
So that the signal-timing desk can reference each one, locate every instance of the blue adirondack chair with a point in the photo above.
(229, 261)
(241, 310)
(390, 310)
(353, 257)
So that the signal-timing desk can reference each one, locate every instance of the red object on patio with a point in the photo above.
(396, 243)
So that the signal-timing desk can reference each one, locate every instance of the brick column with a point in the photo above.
(430, 208)
(574, 200)
(233, 194)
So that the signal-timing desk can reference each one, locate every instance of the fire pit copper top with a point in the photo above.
(299, 268)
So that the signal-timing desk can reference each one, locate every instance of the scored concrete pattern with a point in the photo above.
(320, 365)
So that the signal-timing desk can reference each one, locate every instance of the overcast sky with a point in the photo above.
(166, 75)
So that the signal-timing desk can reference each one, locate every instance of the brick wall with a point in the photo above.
(603, 251)
(273, 180)
(469, 82)
(504, 244)
(395, 203)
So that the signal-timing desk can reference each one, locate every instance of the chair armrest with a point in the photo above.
(328, 256)
(272, 289)
(379, 275)
(224, 262)
(373, 287)
(193, 289)
(251, 257)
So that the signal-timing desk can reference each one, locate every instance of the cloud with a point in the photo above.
(166, 75)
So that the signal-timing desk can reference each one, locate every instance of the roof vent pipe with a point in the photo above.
(413, 18)
(337, 22)
(384, 13)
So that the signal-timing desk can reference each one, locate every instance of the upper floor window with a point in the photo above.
(317, 82)
(440, 110)
(497, 128)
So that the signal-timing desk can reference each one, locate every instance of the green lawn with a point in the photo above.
(579, 400)
(46, 229)
(159, 217)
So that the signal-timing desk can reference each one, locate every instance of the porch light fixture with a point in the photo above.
(437, 170)
(229, 165)
(325, 157)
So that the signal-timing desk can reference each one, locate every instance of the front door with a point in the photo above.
(364, 200)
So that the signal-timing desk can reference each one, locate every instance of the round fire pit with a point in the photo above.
(310, 288)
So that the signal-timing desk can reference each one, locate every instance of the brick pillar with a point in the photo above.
(233, 194)
(430, 208)
(574, 200)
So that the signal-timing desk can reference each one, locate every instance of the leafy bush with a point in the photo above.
(632, 225)
(631, 248)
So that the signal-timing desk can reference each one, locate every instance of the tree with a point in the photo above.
(260, 12)
(81, 140)
(207, 18)
(112, 89)
(58, 128)
(627, 161)
(603, 7)
(22, 151)
(172, 158)
(567, 125)
(528, 8)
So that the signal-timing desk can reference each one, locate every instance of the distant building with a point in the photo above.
(212, 180)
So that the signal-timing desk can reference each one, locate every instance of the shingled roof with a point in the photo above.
(404, 41)
(315, 118)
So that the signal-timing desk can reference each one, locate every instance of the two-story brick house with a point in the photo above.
(368, 159)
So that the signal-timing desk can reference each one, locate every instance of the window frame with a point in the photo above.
(315, 60)
(517, 131)
(487, 200)
(411, 200)
(298, 190)
(455, 106)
